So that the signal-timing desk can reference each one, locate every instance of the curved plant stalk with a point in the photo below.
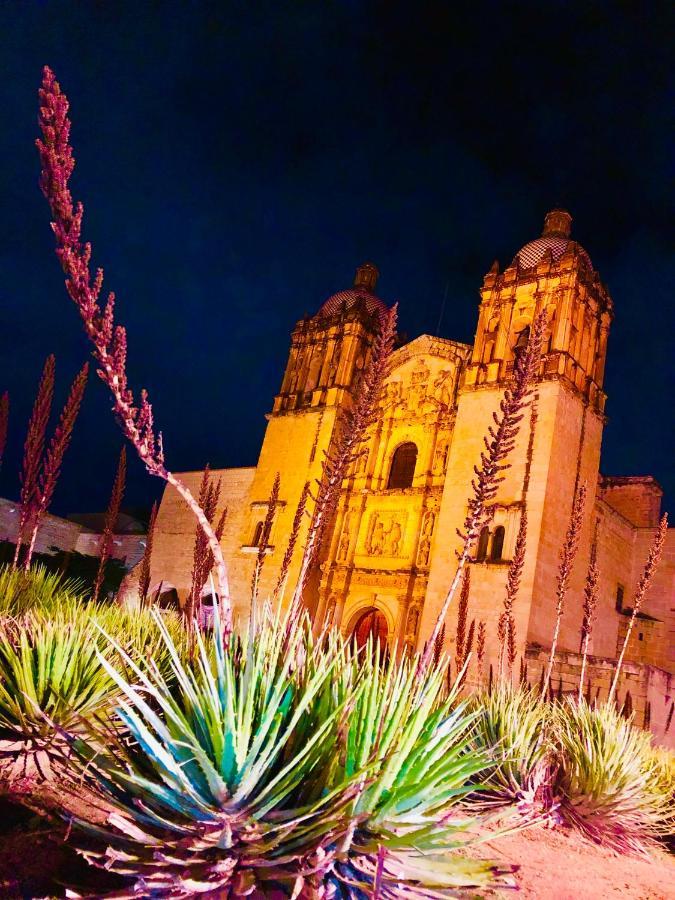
(643, 586)
(109, 340)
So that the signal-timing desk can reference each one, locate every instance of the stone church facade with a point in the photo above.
(390, 554)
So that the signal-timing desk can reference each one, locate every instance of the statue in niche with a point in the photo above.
(329, 615)
(443, 388)
(413, 621)
(418, 388)
(441, 459)
(424, 550)
(343, 547)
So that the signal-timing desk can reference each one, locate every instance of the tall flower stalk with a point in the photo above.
(51, 466)
(506, 626)
(567, 557)
(480, 649)
(590, 603)
(109, 339)
(284, 569)
(350, 433)
(202, 557)
(4, 423)
(111, 516)
(263, 543)
(146, 562)
(644, 583)
(462, 616)
(33, 450)
(499, 443)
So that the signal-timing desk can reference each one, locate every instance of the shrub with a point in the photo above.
(511, 727)
(23, 591)
(611, 786)
(277, 763)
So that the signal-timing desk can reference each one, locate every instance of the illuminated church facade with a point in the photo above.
(390, 553)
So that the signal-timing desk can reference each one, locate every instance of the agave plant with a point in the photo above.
(511, 727)
(139, 635)
(51, 679)
(608, 778)
(276, 763)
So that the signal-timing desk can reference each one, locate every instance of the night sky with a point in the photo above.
(237, 161)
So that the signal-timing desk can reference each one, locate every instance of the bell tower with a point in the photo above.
(554, 454)
(556, 274)
(328, 350)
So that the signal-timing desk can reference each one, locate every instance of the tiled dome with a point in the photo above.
(364, 285)
(555, 237)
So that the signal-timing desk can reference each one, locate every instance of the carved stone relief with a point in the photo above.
(385, 533)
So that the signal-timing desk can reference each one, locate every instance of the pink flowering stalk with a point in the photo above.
(462, 616)
(202, 561)
(111, 517)
(506, 626)
(480, 649)
(292, 542)
(32, 452)
(498, 445)
(144, 577)
(351, 431)
(644, 583)
(567, 557)
(264, 536)
(4, 423)
(53, 459)
(109, 340)
(591, 589)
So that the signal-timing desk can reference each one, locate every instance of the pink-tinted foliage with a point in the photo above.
(108, 339)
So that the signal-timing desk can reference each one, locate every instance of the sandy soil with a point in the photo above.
(561, 865)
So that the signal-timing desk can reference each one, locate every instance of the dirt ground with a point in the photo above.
(559, 864)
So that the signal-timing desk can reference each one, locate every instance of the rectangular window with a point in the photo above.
(619, 598)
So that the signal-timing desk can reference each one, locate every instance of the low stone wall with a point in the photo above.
(69, 536)
(652, 690)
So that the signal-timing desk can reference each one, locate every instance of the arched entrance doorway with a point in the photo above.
(371, 623)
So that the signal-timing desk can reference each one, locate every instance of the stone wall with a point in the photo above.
(652, 690)
(62, 534)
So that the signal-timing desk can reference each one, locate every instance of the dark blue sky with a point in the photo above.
(237, 161)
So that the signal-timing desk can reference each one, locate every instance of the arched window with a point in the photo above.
(371, 624)
(482, 548)
(402, 469)
(497, 544)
